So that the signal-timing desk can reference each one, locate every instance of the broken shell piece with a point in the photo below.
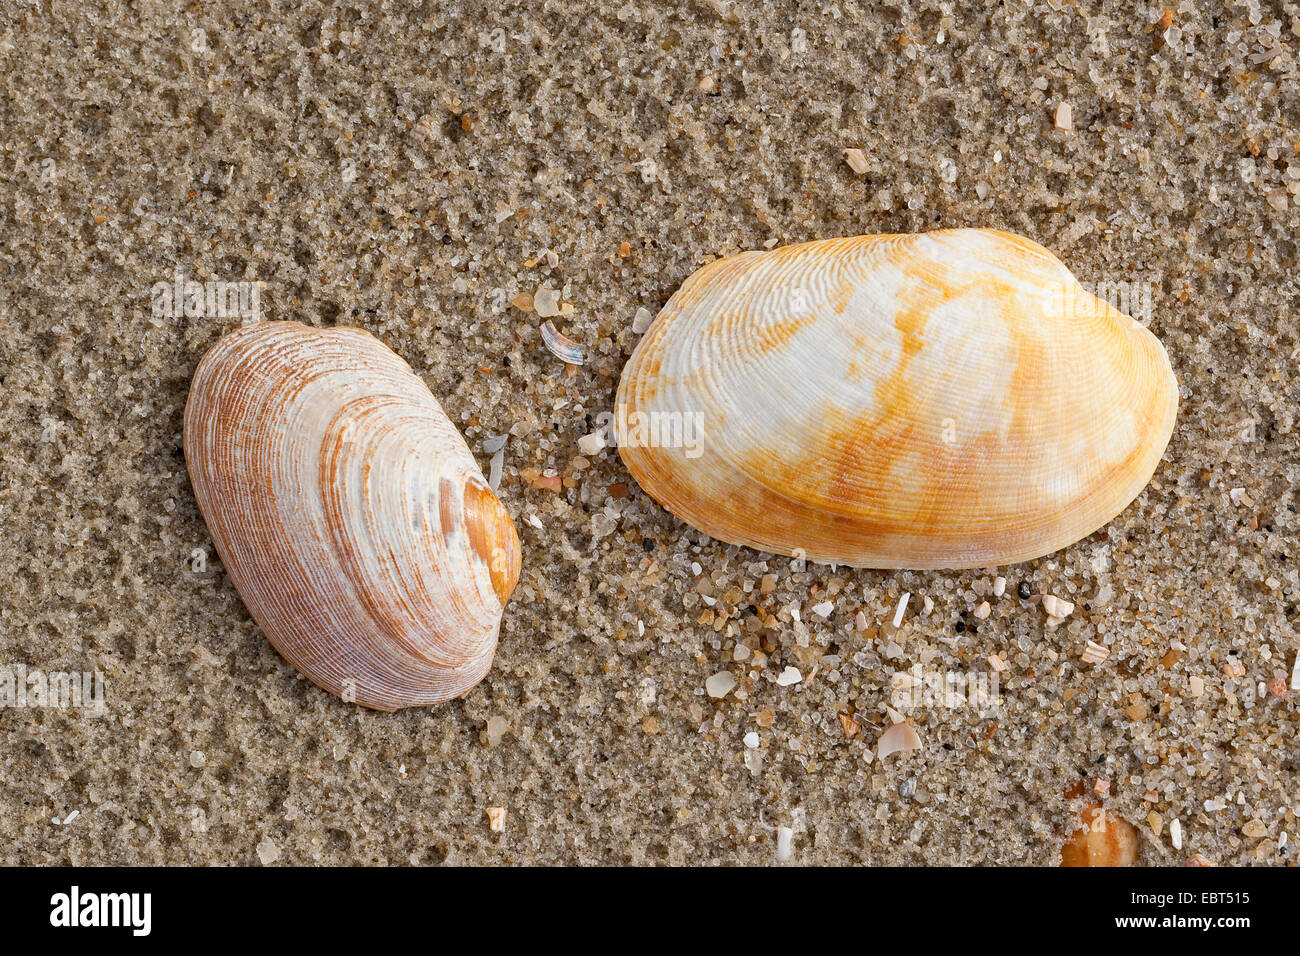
(349, 513)
(1106, 839)
(791, 675)
(561, 346)
(897, 738)
(952, 399)
(901, 609)
(784, 844)
(1057, 607)
(495, 467)
(1094, 653)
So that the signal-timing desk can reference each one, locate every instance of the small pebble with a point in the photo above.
(267, 852)
(546, 302)
(1023, 590)
(907, 788)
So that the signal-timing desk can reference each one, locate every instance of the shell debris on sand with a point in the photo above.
(961, 402)
(1103, 839)
(900, 736)
(561, 346)
(349, 513)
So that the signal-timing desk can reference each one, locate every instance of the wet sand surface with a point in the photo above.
(412, 172)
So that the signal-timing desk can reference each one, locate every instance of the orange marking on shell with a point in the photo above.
(950, 399)
(349, 513)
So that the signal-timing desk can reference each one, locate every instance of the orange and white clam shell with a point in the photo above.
(951, 399)
(349, 513)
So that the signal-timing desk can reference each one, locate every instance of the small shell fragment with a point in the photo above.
(901, 609)
(1057, 607)
(1094, 653)
(561, 346)
(1105, 839)
(899, 737)
(1064, 116)
(496, 819)
(856, 159)
(495, 466)
(791, 675)
(784, 844)
(591, 444)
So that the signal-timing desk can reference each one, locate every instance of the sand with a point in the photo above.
(411, 172)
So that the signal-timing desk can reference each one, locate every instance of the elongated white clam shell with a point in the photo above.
(949, 399)
(349, 513)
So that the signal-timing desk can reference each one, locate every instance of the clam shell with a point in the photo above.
(349, 513)
(950, 399)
